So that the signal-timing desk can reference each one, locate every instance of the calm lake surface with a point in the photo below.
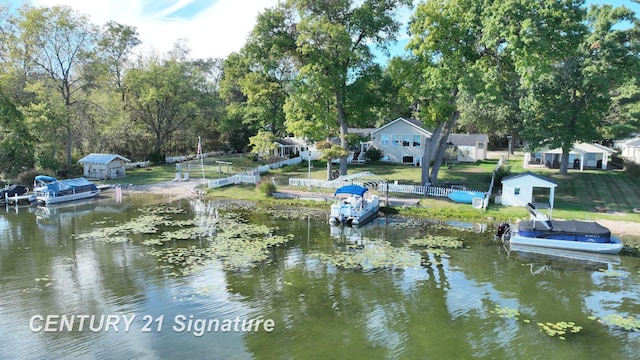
(65, 295)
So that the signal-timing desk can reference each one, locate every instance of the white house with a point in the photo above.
(103, 166)
(629, 149)
(469, 147)
(401, 141)
(581, 156)
(289, 146)
(528, 187)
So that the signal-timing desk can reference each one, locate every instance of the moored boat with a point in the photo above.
(13, 193)
(573, 235)
(354, 209)
(49, 190)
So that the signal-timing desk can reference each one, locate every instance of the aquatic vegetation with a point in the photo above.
(294, 213)
(436, 241)
(162, 210)
(612, 273)
(234, 243)
(561, 328)
(628, 323)
(373, 255)
(506, 312)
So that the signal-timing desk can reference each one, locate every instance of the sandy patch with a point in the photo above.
(178, 189)
(621, 227)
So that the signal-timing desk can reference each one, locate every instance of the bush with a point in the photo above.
(373, 154)
(632, 169)
(156, 158)
(27, 177)
(266, 187)
(502, 171)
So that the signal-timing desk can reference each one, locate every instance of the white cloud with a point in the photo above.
(215, 32)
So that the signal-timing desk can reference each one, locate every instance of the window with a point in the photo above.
(516, 191)
(416, 141)
(406, 140)
(395, 140)
(384, 140)
(407, 159)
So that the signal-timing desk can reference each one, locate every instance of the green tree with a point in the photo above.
(328, 152)
(332, 53)
(57, 42)
(569, 103)
(447, 43)
(263, 143)
(16, 143)
(164, 97)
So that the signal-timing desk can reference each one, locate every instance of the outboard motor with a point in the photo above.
(503, 232)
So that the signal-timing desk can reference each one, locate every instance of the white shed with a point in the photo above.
(528, 187)
(103, 166)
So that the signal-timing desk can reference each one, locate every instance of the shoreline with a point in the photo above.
(182, 189)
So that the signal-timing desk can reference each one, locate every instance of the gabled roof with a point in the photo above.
(101, 159)
(633, 143)
(291, 141)
(580, 148)
(468, 139)
(530, 174)
(415, 123)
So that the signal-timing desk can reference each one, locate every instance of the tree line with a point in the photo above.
(549, 72)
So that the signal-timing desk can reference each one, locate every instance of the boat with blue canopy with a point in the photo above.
(355, 208)
(49, 190)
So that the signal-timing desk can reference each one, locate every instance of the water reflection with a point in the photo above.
(441, 307)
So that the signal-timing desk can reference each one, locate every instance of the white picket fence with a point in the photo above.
(381, 187)
(252, 176)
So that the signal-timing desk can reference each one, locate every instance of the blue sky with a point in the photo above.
(213, 28)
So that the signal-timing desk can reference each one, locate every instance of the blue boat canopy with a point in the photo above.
(67, 184)
(45, 178)
(352, 189)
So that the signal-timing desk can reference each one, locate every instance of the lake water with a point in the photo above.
(67, 292)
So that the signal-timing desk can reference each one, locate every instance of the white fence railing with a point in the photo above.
(381, 187)
(252, 176)
(235, 179)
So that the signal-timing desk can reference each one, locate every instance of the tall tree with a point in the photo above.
(57, 41)
(164, 97)
(16, 143)
(447, 43)
(333, 52)
(569, 103)
(115, 43)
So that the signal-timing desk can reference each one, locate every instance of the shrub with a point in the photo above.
(156, 158)
(266, 187)
(27, 177)
(501, 172)
(632, 168)
(373, 154)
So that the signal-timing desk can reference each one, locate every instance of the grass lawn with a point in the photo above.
(576, 197)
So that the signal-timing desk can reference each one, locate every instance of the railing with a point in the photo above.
(381, 187)
(235, 179)
(252, 176)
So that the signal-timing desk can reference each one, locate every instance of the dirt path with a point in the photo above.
(179, 189)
